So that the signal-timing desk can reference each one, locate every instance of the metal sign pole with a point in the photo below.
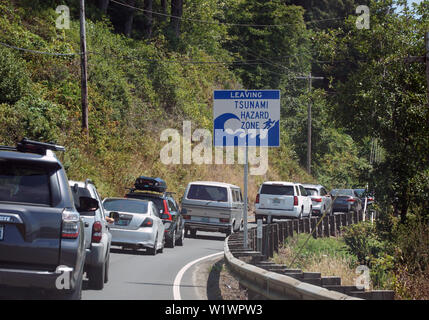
(246, 169)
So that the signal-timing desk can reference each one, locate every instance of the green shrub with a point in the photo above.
(14, 80)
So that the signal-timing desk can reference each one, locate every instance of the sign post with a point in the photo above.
(246, 118)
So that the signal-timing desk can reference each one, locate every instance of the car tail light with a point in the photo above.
(96, 232)
(317, 199)
(295, 200)
(257, 198)
(71, 220)
(370, 199)
(224, 220)
(147, 223)
(166, 214)
(351, 200)
(186, 216)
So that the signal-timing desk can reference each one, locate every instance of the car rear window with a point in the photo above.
(126, 205)
(24, 183)
(157, 201)
(311, 192)
(277, 190)
(342, 192)
(210, 193)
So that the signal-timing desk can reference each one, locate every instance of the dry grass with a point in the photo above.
(318, 259)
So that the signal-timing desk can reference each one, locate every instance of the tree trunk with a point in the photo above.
(404, 205)
(129, 19)
(176, 12)
(103, 5)
(148, 22)
(164, 9)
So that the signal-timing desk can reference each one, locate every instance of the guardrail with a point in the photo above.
(271, 281)
(276, 286)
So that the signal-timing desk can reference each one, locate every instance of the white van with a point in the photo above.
(212, 206)
(279, 199)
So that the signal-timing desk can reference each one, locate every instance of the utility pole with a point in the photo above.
(310, 78)
(84, 67)
(422, 59)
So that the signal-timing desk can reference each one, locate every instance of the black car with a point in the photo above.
(363, 194)
(154, 189)
(41, 233)
(346, 200)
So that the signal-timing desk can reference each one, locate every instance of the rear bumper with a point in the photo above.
(33, 278)
(95, 256)
(140, 237)
(341, 207)
(208, 226)
(293, 213)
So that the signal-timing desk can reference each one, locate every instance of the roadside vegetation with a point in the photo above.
(141, 83)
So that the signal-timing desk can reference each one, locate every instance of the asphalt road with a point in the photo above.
(138, 276)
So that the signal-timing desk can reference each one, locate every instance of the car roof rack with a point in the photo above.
(26, 145)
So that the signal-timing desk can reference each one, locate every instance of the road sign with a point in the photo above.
(246, 117)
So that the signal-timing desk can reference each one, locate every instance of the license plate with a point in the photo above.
(276, 201)
(1, 232)
(205, 219)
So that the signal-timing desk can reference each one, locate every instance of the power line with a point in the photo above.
(40, 52)
(222, 23)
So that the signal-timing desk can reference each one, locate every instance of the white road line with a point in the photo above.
(178, 279)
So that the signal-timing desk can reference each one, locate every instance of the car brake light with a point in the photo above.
(370, 199)
(186, 216)
(224, 220)
(96, 232)
(351, 200)
(147, 223)
(317, 199)
(71, 220)
(166, 212)
(295, 200)
(257, 198)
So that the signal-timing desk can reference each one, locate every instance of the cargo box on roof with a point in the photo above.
(150, 184)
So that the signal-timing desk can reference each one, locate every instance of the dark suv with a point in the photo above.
(154, 189)
(41, 233)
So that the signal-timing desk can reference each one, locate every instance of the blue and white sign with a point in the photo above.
(246, 118)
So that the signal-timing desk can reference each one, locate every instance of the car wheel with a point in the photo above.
(96, 276)
(193, 233)
(172, 241)
(230, 231)
(106, 275)
(76, 294)
(182, 237)
(153, 251)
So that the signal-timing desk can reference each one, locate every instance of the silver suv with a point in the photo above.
(97, 235)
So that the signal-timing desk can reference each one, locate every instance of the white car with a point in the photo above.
(137, 224)
(279, 199)
(322, 201)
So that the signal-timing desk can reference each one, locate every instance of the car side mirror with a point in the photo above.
(87, 204)
(114, 215)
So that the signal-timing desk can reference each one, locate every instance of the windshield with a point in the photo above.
(360, 192)
(24, 183)
(126, 205)
(210, 193)
(277, 190)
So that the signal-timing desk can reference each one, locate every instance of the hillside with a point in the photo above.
(134, 94)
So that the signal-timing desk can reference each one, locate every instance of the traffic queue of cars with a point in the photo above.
(50, 226)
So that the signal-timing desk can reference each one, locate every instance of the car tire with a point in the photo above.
(179, 241)
(230, 231)
(106, 275)
(193, 233)
(76, 294)
(153, 251)
(172, 241)
(96, 276)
